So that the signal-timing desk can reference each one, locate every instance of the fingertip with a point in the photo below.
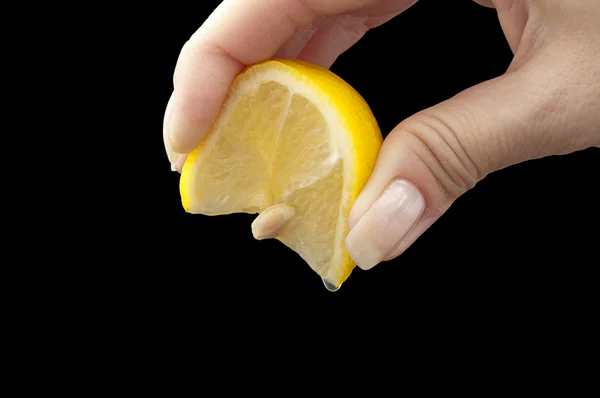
(363, 202)
(355, 213)
(184, 136)
(201, 87)
(171, 155)
(179, 163)
(386, 224)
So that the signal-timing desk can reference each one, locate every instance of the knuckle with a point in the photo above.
(436, 144)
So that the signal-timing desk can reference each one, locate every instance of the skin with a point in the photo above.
(547, 103)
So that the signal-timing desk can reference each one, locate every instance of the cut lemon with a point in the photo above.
(296, 144)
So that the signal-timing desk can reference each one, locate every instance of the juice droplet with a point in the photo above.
(330, 286)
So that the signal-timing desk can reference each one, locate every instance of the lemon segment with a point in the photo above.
(293, 141)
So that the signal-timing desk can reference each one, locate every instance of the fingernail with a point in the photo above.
(178, 165)
(385, 224)
(179, 132)
(171, 155)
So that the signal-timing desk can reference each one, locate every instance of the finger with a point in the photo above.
(422, 167)
(292, 48)
(432, 158)
(337, 35)
(177, 160)
(238, 33)
(513, 17)
(334, 38)
(171, 155)
(180, 162)
(485, 3)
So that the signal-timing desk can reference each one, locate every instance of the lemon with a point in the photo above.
(296, 144)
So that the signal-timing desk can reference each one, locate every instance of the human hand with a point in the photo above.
(547, 103)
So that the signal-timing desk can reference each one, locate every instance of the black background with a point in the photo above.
(522, 245)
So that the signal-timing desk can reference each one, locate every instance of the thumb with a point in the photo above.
(433, 157)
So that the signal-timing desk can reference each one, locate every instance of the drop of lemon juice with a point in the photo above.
(330, 286)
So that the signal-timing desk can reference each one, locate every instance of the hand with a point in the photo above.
(547, 103)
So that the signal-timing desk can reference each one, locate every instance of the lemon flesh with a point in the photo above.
(288, 133)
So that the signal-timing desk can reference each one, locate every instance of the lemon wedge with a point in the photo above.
(294, 143)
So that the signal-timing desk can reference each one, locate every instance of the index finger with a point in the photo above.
(238, 33)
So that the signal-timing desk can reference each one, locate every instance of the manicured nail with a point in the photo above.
(385, 225)
(178, 165)
(171, 155)
(182, 133)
